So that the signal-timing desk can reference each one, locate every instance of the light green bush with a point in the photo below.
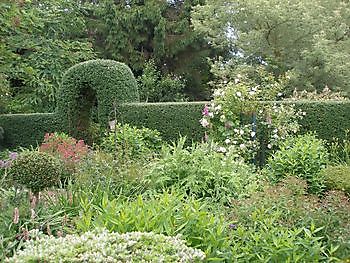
(304, 157)
(103, 246)
(131, 142)
(337, 177)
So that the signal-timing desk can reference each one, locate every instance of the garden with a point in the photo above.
(127, 167)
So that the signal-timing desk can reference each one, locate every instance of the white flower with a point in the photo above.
(227, 141)
(242, 146)
(236, 80)
(252, 134)
(217, 93)
(222, 118)
(269, 146)
(217, 108)
(204, 122)
(241, 132)
(279, 94)
(211, 114)
(236, 130)
(222, 149)
(239, 94)
(234, 142)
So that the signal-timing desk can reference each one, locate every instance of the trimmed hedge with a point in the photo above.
(27, 129)
(329, 119)
(106, 81)
(169, 118)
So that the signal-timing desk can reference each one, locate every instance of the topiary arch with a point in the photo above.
(102, 82)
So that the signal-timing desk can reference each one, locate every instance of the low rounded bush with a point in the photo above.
(337, 177)
(103, 246)
(36, 170)
(303, 156)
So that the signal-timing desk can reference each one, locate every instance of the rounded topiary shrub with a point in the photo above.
(103, 246)
(36, 170)
(100, 83)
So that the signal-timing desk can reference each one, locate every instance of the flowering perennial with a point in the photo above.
(68, 149)
(241, 123)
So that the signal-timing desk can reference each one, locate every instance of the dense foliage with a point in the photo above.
(127, 142)
(304, 157)
(36, 170)
(310, 39)
(337, 177)
(203, 172)
(38, 42)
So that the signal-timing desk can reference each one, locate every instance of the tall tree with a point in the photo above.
(308, 38)
(136, 31)
(39, 40)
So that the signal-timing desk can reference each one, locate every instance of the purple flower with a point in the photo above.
(205, 111)
(233, 226)
(13, 155)
(4, 164)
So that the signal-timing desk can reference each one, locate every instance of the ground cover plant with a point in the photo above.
(103, 246)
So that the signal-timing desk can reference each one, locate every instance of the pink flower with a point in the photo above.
(205, 111)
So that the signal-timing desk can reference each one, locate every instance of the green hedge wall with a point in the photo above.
(27, 129)
(328, 119)
(169, 118)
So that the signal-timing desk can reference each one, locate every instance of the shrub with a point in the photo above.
(102, 246)
(36, 170)
(304, 157)
(238, 118)
(201, 171)
(66, 148)
(168, 213)
(337, 177)
(131, 142)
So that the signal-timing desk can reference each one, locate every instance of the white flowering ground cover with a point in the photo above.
(103, 246)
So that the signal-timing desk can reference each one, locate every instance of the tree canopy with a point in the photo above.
(308, 38)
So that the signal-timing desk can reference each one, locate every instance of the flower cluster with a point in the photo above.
(7, 162)
(241, 121)
(68, 149)
(103, 246)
